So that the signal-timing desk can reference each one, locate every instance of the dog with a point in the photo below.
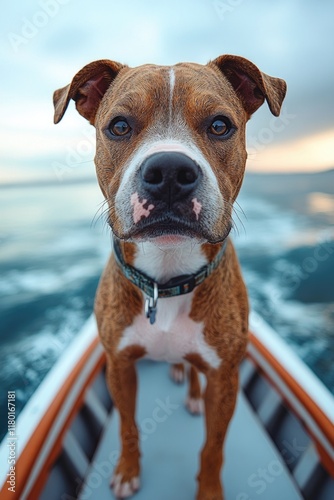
(170, 161)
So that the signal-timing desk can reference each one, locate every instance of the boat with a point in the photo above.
(280, 442)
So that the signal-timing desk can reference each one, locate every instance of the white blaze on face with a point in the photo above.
(197, 207)
(138, 208)
(175, 137)
(171, 92)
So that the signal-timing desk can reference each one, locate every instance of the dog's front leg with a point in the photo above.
(220, 398)
(122, 381)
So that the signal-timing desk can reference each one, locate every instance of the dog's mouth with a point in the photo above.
(172, 229)
(166, 227)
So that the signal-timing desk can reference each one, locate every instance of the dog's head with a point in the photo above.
(171, 150)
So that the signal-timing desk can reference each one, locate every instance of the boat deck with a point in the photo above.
(171, 440)
(279, 443)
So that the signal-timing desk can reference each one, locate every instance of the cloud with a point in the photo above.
(291, 40)
(308, 154)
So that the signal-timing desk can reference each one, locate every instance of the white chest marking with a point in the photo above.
(163, 260)
(173, 335)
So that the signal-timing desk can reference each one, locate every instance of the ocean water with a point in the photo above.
(54, 243)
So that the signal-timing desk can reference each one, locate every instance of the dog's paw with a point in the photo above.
(125, 481)
(177, 373)
(209, 496)
(195, 406)
(124, 489)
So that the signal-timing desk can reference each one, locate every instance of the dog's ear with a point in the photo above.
(86, 89)
(251, 85)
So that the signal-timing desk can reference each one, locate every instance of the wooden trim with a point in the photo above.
(31, 451)
(55, 451)
(321, 420)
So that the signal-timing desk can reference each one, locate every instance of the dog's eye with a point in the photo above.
(119, 127)
(220, 126)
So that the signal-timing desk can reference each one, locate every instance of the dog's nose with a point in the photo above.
(169, 176)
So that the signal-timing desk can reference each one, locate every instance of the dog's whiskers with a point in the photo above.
(103, 215)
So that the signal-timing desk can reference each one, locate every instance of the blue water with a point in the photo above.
(54, 246)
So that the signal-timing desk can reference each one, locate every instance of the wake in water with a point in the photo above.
(52, 256)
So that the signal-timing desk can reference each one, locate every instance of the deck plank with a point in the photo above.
(171, 440)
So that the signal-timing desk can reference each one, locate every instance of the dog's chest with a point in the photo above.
(174, 333)
(172, 336)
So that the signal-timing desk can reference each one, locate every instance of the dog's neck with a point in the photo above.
(165, 261)
(178, 268)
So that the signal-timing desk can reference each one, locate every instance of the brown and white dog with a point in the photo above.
(170, 161)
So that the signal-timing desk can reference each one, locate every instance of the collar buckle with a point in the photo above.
(178, 286)
(151, 304)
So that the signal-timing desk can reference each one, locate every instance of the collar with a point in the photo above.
(179, 285)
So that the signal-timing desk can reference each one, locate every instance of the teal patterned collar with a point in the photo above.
(179, 285)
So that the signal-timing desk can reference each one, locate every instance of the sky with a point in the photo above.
(45, 42)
